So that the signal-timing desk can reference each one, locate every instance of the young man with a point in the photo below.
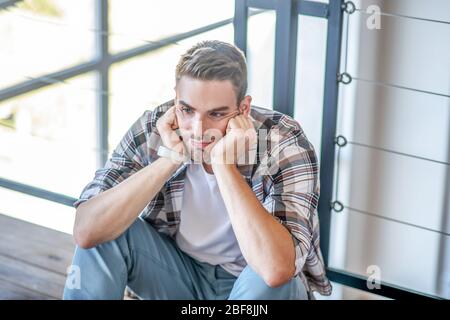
(206, 197)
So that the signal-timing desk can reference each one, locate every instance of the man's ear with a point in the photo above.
(245, 105)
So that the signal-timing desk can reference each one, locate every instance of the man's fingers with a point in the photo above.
(249, 122)
(243, 122)
(170, 112)
(236, 123)
(232, 124)
(240, 121)
(170, 118)
(174, 121)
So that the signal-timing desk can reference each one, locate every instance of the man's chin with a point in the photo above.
(198, 155)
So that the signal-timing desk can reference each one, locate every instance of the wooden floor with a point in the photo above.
(33, 260)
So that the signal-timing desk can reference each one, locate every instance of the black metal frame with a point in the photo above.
(8, 3)
(287, 12)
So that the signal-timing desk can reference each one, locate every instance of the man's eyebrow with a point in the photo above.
(184, 103)
(222, 108)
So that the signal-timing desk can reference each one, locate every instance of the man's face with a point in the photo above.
(203, 109)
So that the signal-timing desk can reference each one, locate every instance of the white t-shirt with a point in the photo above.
(205, 232)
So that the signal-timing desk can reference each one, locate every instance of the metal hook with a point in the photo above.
(345, 78)
(349, 7)
(341, 141)
(337, 206)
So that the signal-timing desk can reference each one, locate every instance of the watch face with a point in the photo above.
(170, 154)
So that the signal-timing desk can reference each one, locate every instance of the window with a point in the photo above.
(151, 20)
(48, 136)
(30, 32)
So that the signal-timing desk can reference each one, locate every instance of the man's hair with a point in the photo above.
(215, 60)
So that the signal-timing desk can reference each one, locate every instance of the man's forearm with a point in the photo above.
(110, 213)
(265, 243)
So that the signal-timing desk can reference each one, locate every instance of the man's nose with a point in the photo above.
(198, 127)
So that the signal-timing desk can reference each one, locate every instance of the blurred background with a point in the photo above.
(74, 75)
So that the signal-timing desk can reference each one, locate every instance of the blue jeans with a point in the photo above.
(153, 267)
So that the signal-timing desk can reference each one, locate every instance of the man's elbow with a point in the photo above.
(278, 278)
(81, 235)
(83, 241)
(82, 238)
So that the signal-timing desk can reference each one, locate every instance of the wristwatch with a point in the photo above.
(173, 155)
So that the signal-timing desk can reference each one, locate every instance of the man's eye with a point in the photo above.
(216, 114)
(186, 109)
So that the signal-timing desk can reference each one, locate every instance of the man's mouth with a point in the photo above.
(200, 143)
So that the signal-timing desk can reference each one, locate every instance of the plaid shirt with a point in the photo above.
(290, 193)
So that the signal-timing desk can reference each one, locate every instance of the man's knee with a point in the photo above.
(251, 286)
(100, 271)
(95, 273)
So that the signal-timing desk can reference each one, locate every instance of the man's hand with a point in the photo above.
(166, 126)
(238, 143)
